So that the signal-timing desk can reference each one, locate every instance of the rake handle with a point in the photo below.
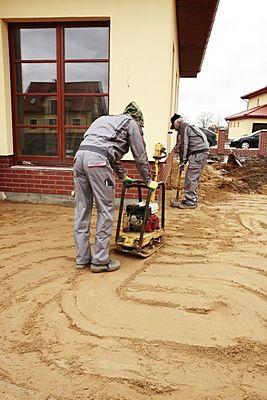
(178, 184)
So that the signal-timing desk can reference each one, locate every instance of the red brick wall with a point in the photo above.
(131, 171)
(263, 143)
(34, 179)
(59, 181)
(223, 138)
(49, 180)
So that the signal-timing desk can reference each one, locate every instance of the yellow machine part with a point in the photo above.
(131, 239)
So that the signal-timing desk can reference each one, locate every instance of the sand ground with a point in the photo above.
(188, 323)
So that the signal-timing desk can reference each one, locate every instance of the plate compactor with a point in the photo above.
(142, 230)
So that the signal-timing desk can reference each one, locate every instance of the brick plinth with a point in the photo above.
(57, 180)
(26, 179)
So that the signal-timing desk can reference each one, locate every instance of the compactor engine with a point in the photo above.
(134, 217)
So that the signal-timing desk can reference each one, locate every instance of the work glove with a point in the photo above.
(152, 185)
(127, 179)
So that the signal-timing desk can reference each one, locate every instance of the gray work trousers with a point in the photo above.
(195, 167)
(93, 180)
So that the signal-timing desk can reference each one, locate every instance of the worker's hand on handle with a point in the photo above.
(152, 185)
(127, 179)
(182, 167)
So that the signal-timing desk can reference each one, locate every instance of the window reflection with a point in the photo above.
(91, 77)
(41, 109)
(32, 77)
(81, 110)
(35, 44)
(38, 141)
(73, 138)
(85, 109)
(40, 101)
(86, 43)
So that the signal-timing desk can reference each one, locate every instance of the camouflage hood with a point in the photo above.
(135, 112)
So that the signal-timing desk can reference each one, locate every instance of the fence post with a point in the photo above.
(222, 139)
(263, 143)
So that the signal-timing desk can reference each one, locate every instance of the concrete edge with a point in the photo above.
(17, 197)
(41, 198)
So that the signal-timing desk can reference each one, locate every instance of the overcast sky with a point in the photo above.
(235, 62)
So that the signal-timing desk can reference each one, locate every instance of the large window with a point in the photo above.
(60, 85)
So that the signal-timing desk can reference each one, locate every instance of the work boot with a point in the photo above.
(111, 266)
(184, 204)
(80, 267)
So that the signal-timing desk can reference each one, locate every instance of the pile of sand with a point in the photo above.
(221, 181)
(250, 178)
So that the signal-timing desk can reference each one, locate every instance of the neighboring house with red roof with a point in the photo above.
(253, 118)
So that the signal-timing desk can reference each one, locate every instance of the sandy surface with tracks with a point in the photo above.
(188, 323)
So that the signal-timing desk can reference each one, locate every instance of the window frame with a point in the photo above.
(60, 94)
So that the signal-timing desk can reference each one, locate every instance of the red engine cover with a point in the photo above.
(152, 223)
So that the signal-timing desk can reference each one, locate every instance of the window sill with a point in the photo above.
(41, 168)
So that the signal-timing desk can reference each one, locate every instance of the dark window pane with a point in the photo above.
(40, 108)
(89, 43)
(35, 44)
(52, 106)
(86, 109)
(86, 77)
(73, 138)
(38, 141)
(36, 78)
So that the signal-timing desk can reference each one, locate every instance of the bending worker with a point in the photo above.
(194, 149)
(106, 141)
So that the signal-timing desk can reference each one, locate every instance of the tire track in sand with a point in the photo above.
(118, 336)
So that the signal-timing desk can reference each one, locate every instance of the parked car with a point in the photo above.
(246, 141)
(212, 139)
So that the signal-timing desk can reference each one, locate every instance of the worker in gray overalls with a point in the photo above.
(106, 141)
(193, 148)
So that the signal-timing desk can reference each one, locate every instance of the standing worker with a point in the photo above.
(106, 141)
(194, 149)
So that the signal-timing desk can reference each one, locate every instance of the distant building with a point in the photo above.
(253, 118)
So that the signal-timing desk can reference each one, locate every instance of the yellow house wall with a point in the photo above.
(175, 78)
(142, 34)
(6, 138)
(238, 128)
(257, 101)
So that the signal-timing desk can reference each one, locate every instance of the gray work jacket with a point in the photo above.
(192, 139)
(116, 134)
